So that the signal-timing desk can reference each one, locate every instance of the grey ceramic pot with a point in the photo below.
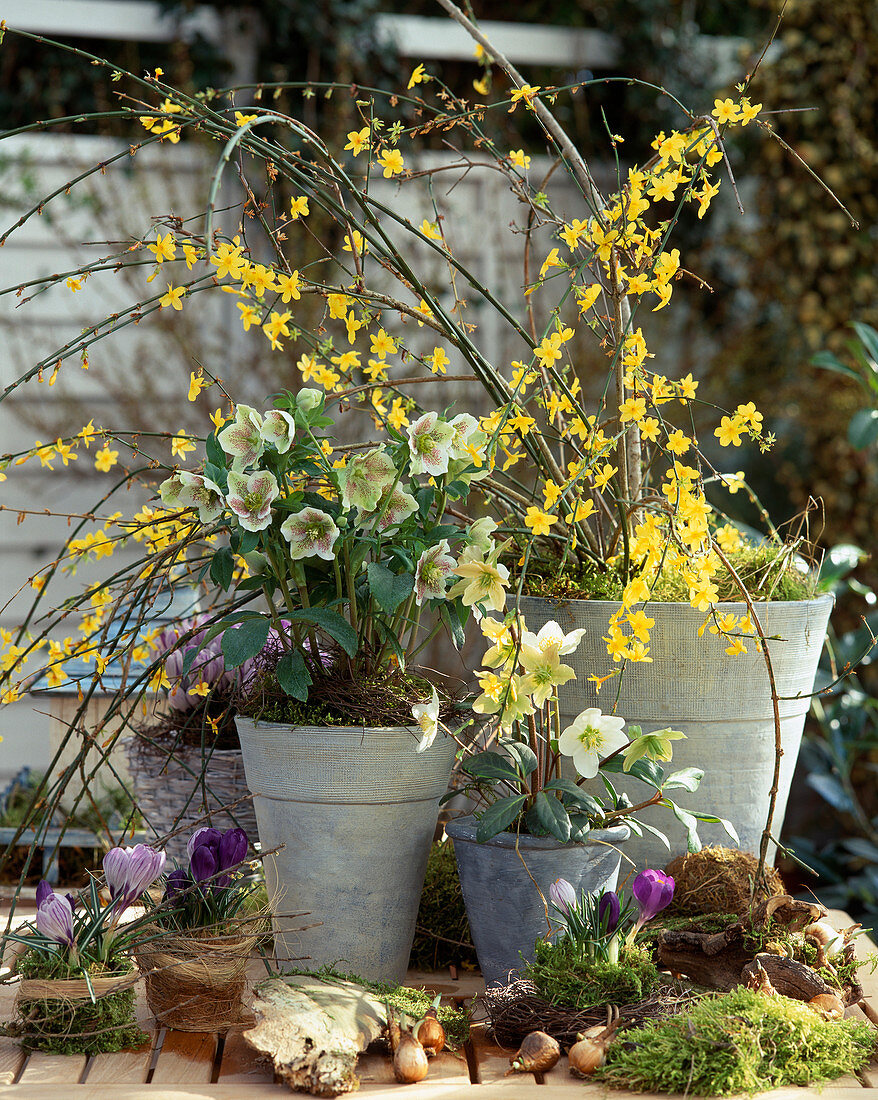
(721, 703)
(505, 909)
(355, 810)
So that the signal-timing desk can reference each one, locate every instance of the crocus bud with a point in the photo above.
(55, 919)
(653, 891)
(44, 890)
(563, 895)
(129, 871)
(203, 863)
(204, 836)
(608, 910)
(232, 848)
(176, 882)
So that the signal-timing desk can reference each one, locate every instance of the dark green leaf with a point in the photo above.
(332, 623)
(573, 793)
(580, 827)
(246, 641)
(831, 791)
(249, 541)
(863, 429)
(827, 361)
(693, 844)
(222, 567)
(552, 816)
(453, 623)
(215, 454)
(687, 779)
(648, 771)
(869, 339)
(727, 825)
(498, 816)
(523, 754)
(491, 765)
(457, 490)
(389, 589)
(293, 675)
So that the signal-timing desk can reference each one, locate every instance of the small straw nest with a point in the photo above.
(718, 880)
(72, 990)
(516, 1009)
(196, 983)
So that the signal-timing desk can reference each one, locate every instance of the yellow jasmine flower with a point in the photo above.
(217, 418)
(726, 110)
(587, 296)
(431, 230)
(173, 297)
(538, 521)
(355, 242)
(242, 120)
(519, 158)
(649, 428)
(358, 140)
(289, 286)
(249, 315)
(383, 344)
(678, 443)
(391, 161)
(438, 361)
(299, 207)
(748, 111)
(525, 92)
(418, 77)
(730, 430)
(481, 86)
(88, 433)
(164, 248)
(632, 408)
(75, 284)
(181, 445)
(105, 459)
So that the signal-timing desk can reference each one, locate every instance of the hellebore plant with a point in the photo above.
(520, 781)
(351, 545)
(600, 923)
(80, 933)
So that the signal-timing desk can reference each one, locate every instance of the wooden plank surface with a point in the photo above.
(125, 1067)
(186, 1058)
(11, 1060)
(57, 1069)
(241, 1063)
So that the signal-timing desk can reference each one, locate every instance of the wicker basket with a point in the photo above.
(171, 795)
(196, 984)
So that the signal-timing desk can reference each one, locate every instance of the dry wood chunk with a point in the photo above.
(313, 1031)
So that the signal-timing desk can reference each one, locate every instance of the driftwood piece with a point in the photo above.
(789, 977)
(314, 1030)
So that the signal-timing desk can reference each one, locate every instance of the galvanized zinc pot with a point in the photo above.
(504, 904)
(722, 704)
(355, 809)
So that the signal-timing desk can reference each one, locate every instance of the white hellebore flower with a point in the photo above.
(250, 497)
(479, 534)
(430, 445)
(310, 533)
(198, 491)
(242, 439)
(483, 583)
(434, 567)
(278, 428)
(590, 738)
(427, 717)
(544, 672)
(365, 478)
(395, 508)
(551, 639)
(463, 426)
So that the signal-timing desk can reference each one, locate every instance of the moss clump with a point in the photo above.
(737, 1042)
(82, 1027)
(443, 936)
(718, 880)
(562, 977)
(412, 1003)
(768, 571)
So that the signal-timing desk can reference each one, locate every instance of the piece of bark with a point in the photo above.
(788, 976)
(314, 1030)
(715, 960)
(782, 909)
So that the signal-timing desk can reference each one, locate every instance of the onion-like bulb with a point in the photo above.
(828, 1005)
(409, 1060)
(430, 1033)
(538, 1052)
(586, 1055)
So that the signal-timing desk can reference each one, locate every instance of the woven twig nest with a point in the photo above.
(196, 983)
(516, 1009)
(718, 880)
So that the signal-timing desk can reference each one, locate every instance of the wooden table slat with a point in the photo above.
(240, 1061)
(42, 1069)
(185, 1058)
(126, 1067)
(11, 1060)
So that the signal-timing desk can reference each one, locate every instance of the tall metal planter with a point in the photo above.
(355, 809)
(722, 704)
(506, 879)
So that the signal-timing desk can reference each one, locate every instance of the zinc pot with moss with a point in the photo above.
(722, 702)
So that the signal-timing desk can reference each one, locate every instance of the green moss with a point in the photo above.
(61, 1027)
(563, 978)
(768, 571)
(412, 1003)
(737, 1042)
(442, 937)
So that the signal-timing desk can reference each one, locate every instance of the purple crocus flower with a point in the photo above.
(608, 910)
(203, 837)
(130, 871)
(233, 847)
(204, 863)
(55, 919)
(176, 882)
(563, 895)
(653, 891)
(44, 890)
